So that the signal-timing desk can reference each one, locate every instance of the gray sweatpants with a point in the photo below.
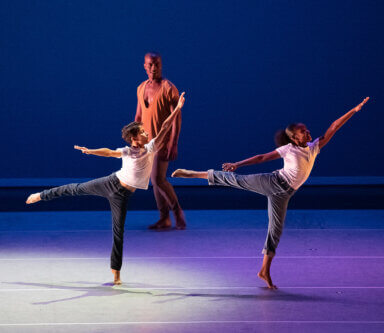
(273, 187)
(110, 188)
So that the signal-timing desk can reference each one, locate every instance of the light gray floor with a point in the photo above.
(329, 269)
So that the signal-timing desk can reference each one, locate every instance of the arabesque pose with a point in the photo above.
(299, 154)
(137, 161)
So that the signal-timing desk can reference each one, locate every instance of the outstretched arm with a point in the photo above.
(337, 124)
(167, 124)
(105, 152)
(273, 155)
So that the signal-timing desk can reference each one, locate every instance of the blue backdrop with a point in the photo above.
(69, 72)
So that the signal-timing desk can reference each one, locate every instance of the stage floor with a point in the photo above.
(55, 277)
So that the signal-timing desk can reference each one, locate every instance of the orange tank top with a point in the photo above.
(154, 114)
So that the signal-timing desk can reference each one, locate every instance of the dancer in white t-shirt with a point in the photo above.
(299, 155)
(118, 187)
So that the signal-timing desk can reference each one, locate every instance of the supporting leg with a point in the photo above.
(110, 188)
(265, 271)
(277, 209)
(166, 197)
(118, 205)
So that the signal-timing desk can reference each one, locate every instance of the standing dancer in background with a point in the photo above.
(299, 154)
(117, 188)
(156, 99)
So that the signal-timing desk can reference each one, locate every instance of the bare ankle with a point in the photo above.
(116, 276)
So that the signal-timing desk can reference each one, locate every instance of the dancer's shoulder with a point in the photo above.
(141, 85)
(168, 85)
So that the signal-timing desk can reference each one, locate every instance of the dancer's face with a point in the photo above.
(301, 135)
(153, 67)
(141, 138)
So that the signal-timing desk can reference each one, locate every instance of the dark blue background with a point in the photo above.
(69, 72)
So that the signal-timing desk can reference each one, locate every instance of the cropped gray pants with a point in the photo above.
(275, 188)
(110, 188)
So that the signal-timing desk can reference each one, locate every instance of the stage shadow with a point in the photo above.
(107, 289)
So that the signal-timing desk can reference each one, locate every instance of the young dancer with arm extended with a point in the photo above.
(137, 161)
(299, 154)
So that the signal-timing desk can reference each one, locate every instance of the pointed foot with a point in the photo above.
(35, 197)
(182, 173)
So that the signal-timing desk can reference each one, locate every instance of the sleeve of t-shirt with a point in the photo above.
(151, 146)
(125, 151)
(283, 150)
(315, 146)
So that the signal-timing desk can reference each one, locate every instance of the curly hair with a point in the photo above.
(130, 131)
(282, 137)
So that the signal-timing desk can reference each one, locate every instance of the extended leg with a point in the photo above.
(99, 187)
(260, 183)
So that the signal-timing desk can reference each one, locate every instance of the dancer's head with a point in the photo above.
(153, 66)
(135, 134)
(296, 133)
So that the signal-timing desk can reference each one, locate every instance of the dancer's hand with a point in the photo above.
(84, 150)
(358, 107)
(229, 166)
(181, 101)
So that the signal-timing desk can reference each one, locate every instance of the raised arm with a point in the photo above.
(337, 124)
(104, 152)
(257, 159)
(167, 124)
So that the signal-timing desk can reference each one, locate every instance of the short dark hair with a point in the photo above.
(282, 136)
(130, 131)
(153, 54)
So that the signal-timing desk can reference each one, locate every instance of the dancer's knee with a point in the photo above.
(160, 181)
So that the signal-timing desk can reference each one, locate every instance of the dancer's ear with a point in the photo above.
(133, 140)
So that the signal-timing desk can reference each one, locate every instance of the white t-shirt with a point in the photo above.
(298, 162)
(137, 165)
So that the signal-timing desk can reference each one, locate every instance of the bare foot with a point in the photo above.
(267, 278)
(180, 220)
(163, 223)
(116, 277)
(182, 173)
(35, 197)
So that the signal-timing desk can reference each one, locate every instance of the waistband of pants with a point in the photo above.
(283, 183)
(115, 180)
